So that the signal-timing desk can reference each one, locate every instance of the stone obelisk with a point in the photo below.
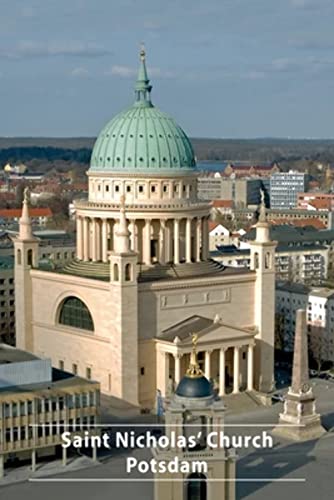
(299, 421)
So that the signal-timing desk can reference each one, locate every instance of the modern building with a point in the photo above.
(319, 304)
(285, 187)
(37, 403)
(243, 192)
(142, 281)
(300, 264)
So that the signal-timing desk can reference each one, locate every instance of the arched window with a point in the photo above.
(128, 272)
(196, 487)
(29, 257)
(19, 257)
(256, 260)
(74, 312)
(116, 273)
(268, 261)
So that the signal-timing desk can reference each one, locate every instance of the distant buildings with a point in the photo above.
(319, 303)
(264, 171)
(10, 216)
(55, 248)
(242, 192)
(284, 189)
(304, 264)
(37, 403)
(316, 201)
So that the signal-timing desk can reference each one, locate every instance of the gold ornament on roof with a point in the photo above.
(194, 370)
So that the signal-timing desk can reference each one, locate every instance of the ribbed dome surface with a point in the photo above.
(142, 138)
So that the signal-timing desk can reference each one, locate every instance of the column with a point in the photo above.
(236, 369)
(79, 238)
(86, 237)
(147, 242)
(176, 241)
(94, 453)
(133, 234)
(93, 240)
(188, 240)
(168, 242)
(162, 242)
(208, 364)
(205, 234)
(64, 458)
(198, 239)
(104, 240)
(33, 460)
(222, 363)
(250, 368)
(177, 376)
(98, 240)
(2, 466)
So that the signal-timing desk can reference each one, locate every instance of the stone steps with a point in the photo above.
(101, 270)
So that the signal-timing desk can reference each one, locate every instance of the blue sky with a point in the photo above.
(222, 68)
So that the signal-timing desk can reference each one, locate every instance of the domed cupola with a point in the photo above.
(142, 139)
(194, 384)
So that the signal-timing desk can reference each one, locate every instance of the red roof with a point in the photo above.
(223, 203)
(320, 204)
(12, 213)
(314, 221)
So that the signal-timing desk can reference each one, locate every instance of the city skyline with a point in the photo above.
(223, 69)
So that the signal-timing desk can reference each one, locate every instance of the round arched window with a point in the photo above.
(74, 313)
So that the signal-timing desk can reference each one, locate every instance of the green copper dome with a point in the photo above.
(142, 139)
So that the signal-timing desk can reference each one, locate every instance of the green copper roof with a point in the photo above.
(142, 138)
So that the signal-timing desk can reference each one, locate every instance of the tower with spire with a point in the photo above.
(124, 294)
(263, 264)
(26, 258)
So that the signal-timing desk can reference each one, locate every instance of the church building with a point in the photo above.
(123, 311)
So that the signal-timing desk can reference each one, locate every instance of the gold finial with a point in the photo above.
(142, 51)
(194, 370)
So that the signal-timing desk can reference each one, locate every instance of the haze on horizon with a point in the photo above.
(223, 68)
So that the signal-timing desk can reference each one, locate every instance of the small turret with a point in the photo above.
(122, 240)
(25, 232)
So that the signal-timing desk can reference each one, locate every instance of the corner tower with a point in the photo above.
(124, 294)
(26, 258)
(263, 263)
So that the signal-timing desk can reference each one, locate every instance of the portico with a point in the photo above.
(225, 354)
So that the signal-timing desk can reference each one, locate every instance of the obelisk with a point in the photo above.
(299, 421)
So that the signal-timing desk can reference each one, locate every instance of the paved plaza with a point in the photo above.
(310, 463)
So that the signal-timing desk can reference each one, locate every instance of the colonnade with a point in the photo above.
(221, 368)
(184, 239)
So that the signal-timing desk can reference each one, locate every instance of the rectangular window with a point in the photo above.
(75, 369)
(61, 364)
(88, 373)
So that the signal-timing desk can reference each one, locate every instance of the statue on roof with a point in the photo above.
(26, 195)
(262, 216)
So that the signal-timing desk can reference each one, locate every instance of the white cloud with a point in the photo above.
(129, 72)
(79, 72)
(28, 48)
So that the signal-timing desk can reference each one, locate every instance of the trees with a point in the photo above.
(319, 344)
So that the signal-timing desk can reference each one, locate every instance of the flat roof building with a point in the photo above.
(37, 403)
